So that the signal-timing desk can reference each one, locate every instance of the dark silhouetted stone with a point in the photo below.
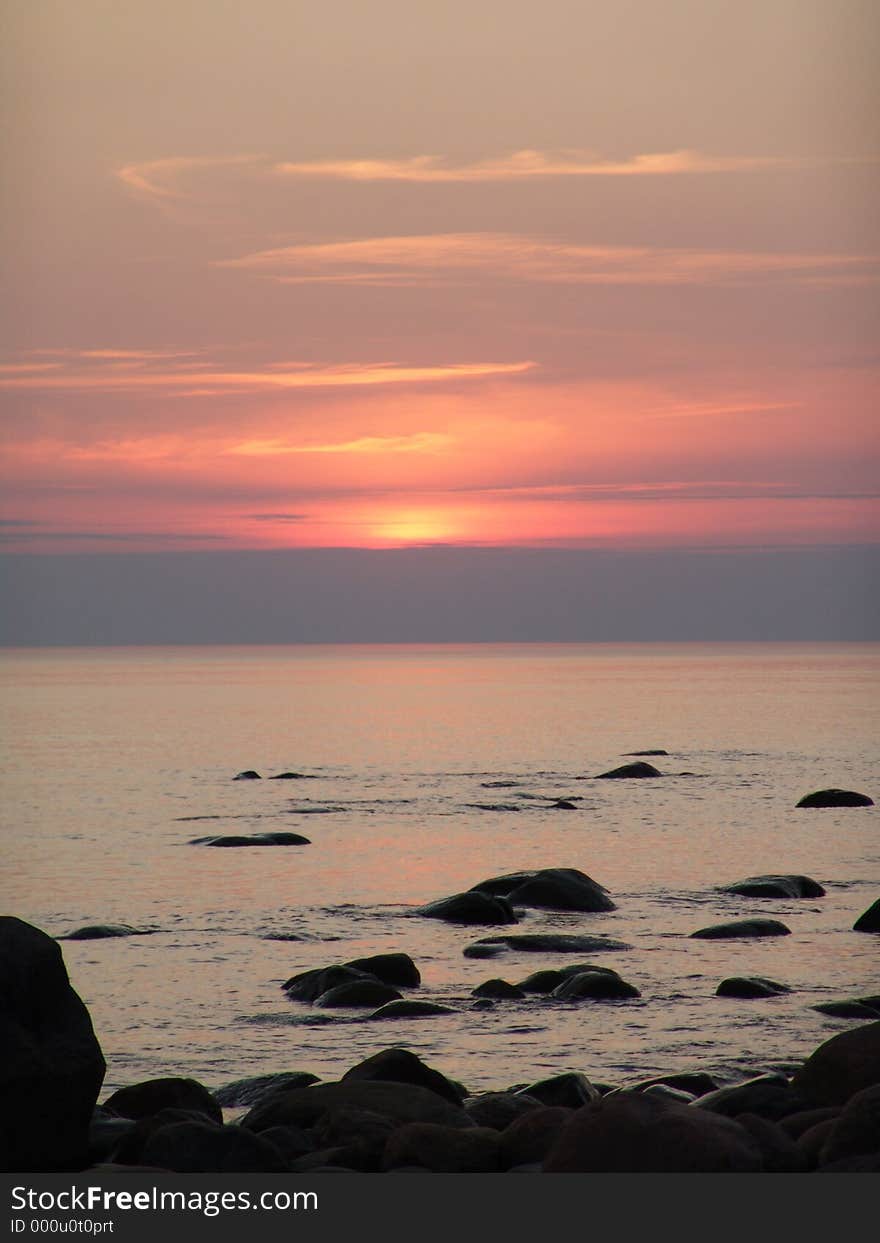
(562, 889)
(397, 969)
(199, 1148)
(857, 1131)
(594, 986)
(470, 908)
(444, 1149)
(779, 1153)
(638, 769)
(309, 985)
(769, 1096)
(570, 1090)
(101, 932)
(249, 774)
(139, 1100)
(842, 1066)
(850, 1008)
(775, 887)
(694, 1082)
(402, 1066)
(546, 943)
(253, 839)
(52, 1067)
(743, 928)
(499, 989)
(750, 986)
(530, 1137)
(403, 1102)
(836, 798)
(290, 777)
(870, 920)
(635, 1133)
(655, 751)
(249, 1091)
(410, 1009)
(361, 993)
(498, 1109)
(130, 1148)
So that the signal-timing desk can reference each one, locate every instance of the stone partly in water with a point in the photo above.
(655, 751)
(561, 889)
(249, 774)
(571, 1089)
(743, 928)
(848, 1008)
(52, 1066)
(835, 798)
(870, 920)
(470, 908)
(401, 1066)
(545, 943)
(499, 989)
(787, 886)
(100, 932)
(257, 1087)
(750, 986)
(842, 1066)
(409, 1009)
(253, 839)
(637, 770)
(397, 969)
(140, 1100)
(358, 993)
(594, 986)
(636, 1133)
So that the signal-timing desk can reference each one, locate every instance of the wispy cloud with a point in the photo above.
(419, 442)
(115, 378)
(456, 257)
(172, 180)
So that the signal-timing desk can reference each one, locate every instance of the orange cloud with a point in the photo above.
(456, 257)
(419, 442)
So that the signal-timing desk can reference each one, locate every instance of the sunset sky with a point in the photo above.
(370, 275)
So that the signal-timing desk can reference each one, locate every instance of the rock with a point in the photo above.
(842, 1066)
(562, 889)
(130, 1148)
(363, 992)
(249, 1091)
(444, 1149)
(835, 798)
(106, 1133)
(253, 839)
(804, 1120)
(563, 804)
(249, 774)
(870, 920)
(638, 770)
(743, 928)
(750, 986)
(481, 1004)
(810, 1143)
(139, 1100)
(694, 1082)
(847, 1009)
(402, 1066)
(594, 986)
(310, 985)
(292, 1142)
(397, 969)
(779, 1153)
(857, 1131)
(530, 1137)
(407, 1009)
(547, 943)
(358, 1135)
(634, 1133)
(498, 1109)
(505, 885)
(769, 1096)
(402, 1102)
(99, 932)
(470, 908)
(656, 751)
(52, 1066)
(664, 1092)
(290, 777)
(480, 950)
(541, 981)
(775, 887)
(199, 1148)
(570, 1089)
(499, 989)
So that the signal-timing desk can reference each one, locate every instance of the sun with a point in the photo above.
(416, 526)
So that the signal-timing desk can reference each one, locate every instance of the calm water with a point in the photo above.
(111, 754)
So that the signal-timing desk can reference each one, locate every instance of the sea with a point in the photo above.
(426, 769)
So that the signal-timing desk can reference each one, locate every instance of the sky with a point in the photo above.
(586, 276)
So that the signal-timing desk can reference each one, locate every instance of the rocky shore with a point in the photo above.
(393, 1113)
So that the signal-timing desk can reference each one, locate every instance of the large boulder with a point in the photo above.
(444, 1149)
(52, 1067)
(473, 907)
(249, 1091)
(558, 889)
(531, 1136)
(743, 928)
(870, 920)
(310, 985)
(402, 1066)
(545, 943)
(397, 969)
(636, 1133)
(139, 1100)
(785, 886)
(571, 1090)
(639, 769)
(403, 1102)
(835, 798)
(594, 986)
(842, 1066)
(769, 1096)
(498, 1109)
(857, 1130)
(199, 1148)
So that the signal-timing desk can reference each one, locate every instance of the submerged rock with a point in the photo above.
(551, 977)
(52, 1066)
(869, 921)
(849, 1008)
(257, 1087)
(499, 989)
(654, 751)
(835, 798)
(547, 943)
(408, 1009)
(594, 986)
(397, 969)
(310, 985)
(100, 932)
(290, 777)
(253, 839)
(249, 774)
(637, 770)
(470, 908)
(743, 928)
(560, 889)
(364, 993)
(750, 986)
(785, 886)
